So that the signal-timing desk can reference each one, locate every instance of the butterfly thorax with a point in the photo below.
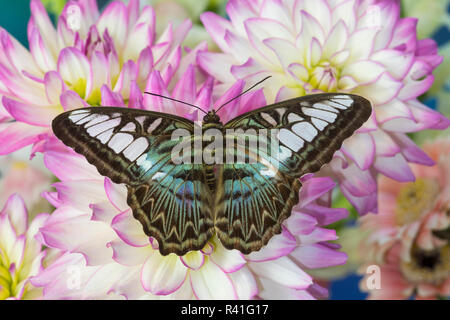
(212, 120)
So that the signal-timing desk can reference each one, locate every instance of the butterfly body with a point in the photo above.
(233, 190)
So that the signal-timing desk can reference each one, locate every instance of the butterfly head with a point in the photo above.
(211, 117)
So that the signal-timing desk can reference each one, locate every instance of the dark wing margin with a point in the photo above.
(256, 198)
(131, 146)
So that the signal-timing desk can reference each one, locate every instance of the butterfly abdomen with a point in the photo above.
(210, 177)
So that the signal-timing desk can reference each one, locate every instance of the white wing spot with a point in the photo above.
(103, 126)
(320, 124)
(141, 120)
(120, 141)
(130, 126)
(293, 117)
(342, 103)
(86, 119)
(324, 115)
(78, 116)
(325, 107)
(291, 140)
(97, 119)
(105, 136)
(281, 112)
(134, 150)
(268, 118)
(284, 154)
(305, 130)
(144, 163)
(154, 125)
(79, 111)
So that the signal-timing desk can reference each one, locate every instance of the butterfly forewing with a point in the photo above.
(256, 198)
(172, 201)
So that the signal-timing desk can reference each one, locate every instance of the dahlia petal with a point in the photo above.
(394, 167)
(17, 55)
(145, 64)
(372, 71)
(244, 283)
(318, 235)
(16, 210)
(391, 110)
(405, 35)
(16, 135)
(34, 115)
(110, 98)
(240, 44)
(358, 182)
(311, 28)
(54, 86)
(274, 10)
(163, 275)
(361, 149)
(103, 212)
(278, 246)
(117, 195)
(314, 188)
(136, 100)
(418, 80)
(389, 15)
(325, 215)
(411, 151)
(156, 85)
(396, 62)
(193, 260)
(318, 256)
(80, 193)
(115, 19)
(218, 65)
(381, 91)
(221, 288)
(385, 146)
(300, 223)
(65, 235)
(17, 252)
(231, 93)
(100, 71)
(141, 36)
(298, 71)
(69, 166)
(185, 90)
(282, 271)
(360, 44)
(75, 69)
(345, 11)
(129, 229)
(238, 12)
(204, 97)
(362, 203)
(129, 255)
(128, 74)
(45, 26)
(285, 51)
(319, 9)
(9, 235)
(41, 53)
(227, 260)
(336, 40)
(71, 100)
(216, 27)
(272, 290)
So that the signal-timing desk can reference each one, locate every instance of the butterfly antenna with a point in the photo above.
(176, 100)
(256, 84)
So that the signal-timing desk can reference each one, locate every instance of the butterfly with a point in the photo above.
(183, 205)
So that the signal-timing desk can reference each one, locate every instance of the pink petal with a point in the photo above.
(129, 229)
(16, 210)
(313, 189)
(395, 168)
(129, 255)
(16, 135)
(69, 166)
(80, 193)
(115, 19)
(361, 149)
(117, 195)
(280, 245)
(34, 115)
(318, 256)
(111, 99)
(70, 100)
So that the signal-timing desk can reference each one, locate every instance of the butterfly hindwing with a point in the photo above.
(130, 146)
(256, 198)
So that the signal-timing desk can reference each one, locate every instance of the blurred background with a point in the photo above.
(434, 22)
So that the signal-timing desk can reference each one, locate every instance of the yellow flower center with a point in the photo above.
(415, 199)
(324, 77)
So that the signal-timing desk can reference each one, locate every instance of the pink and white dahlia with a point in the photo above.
(112, 239)
(360, 47)
(21, 252)
(409, 238)
(89, 59)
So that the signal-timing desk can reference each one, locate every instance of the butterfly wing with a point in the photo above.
(257, 195)
(172, 201)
